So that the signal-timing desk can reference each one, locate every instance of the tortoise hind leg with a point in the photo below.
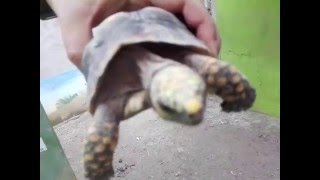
(225, 81)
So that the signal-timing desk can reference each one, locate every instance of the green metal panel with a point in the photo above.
(53, 162)
(250, 31)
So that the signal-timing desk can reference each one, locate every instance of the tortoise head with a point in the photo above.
(177, 93)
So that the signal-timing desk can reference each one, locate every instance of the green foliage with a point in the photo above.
(66, 100)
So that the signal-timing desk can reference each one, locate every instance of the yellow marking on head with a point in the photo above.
(193, 106)
(195, 81)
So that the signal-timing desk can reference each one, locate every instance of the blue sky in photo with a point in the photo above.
(60, 86)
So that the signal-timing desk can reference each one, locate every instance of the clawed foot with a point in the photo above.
(228, 83)
(99, 148)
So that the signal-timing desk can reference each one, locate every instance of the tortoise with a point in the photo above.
(150, 59)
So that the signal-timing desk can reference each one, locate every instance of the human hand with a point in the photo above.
(78, 17)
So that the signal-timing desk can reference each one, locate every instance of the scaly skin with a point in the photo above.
(102, 137)
(99, 149)
(184, 96)
(221, 79)
(136, 103)
(100, 144)
(224, 80)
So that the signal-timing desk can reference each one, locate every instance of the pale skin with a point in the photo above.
(77, 18)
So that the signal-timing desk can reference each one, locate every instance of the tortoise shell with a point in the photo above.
(148, 25)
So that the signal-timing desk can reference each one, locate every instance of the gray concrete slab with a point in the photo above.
(234, 146)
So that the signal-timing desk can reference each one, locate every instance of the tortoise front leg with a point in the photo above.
(100, 144)
(225, 81)
(103, 133)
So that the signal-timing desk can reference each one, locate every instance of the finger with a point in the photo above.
(75, 37)
(197, 17)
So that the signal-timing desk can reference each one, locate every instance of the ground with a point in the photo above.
(234, 146)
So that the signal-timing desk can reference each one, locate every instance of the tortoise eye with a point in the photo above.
(166, 108)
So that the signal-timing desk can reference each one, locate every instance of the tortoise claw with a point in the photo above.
(241, 102)
(106, 176)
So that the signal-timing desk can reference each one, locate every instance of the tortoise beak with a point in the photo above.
(193, 106)
(194, 110)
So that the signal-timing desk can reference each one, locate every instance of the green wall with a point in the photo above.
(53, 162)
(250, 32)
